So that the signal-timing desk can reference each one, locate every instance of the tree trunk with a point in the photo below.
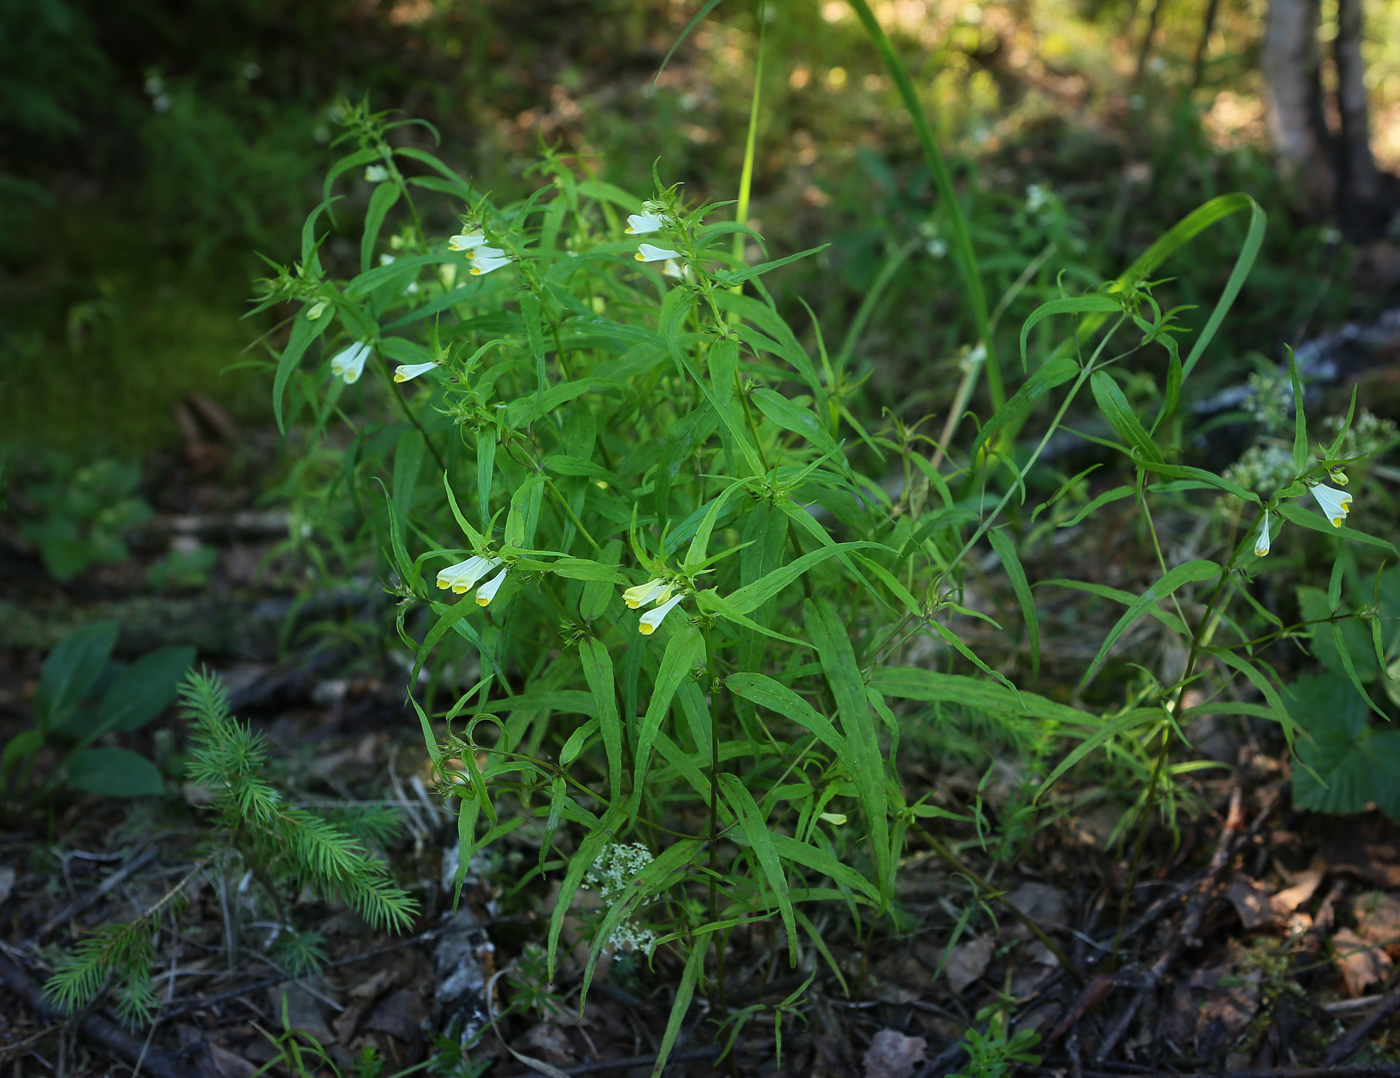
(1291, 63)
(1361, 199)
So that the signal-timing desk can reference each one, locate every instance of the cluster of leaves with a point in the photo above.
(83, 696)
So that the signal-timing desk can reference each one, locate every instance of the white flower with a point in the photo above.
(1261, 541)
(648, 253)
(376, 174)
(387, 260)
(486, 265)
(486, 252)
(403, 373)
(639, 224)
(350, 364)
(466, 241)
(487, 591)
(675, 269)
(462, 577)
(652, 618)
(643, 594)
(1336, 504)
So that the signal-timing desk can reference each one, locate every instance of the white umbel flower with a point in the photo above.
(482, 265)
(1261, 541)
(650, 253)
(466, 241)
(403, 372)
(653, 617)
(487, 591)
(639, 224)
(643, 594)
(350, 364)
(462, 577)
(376, 174)
(1336, 504)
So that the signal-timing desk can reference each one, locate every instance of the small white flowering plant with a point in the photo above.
(673, 599)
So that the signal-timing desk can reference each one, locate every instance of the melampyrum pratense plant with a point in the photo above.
(616, 493)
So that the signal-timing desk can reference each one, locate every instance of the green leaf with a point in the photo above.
(70, 670)
(1294, 512)
(1005, 548)
(1054, 373)
(755, 829)
(144, 689)
(733, 277)
(113, 773)
(909, 683)
(1121, 417)
(685, 990)
(1173, 579)
(750, 597)
(1347, 763)
(1182, 471)
(304, 331)
(1300, 422)
(380, 203)
(1131, 721)
(797, 419)
(598, 671)
(588, 850)
(1355, 638)
(684, 652)
(843, 674)
(1092, 303)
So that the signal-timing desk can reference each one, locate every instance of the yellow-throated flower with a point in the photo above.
(487, 591)
(646, 593)
(350, 364)
(653, 617)
(483, 264)
(462, 577)
(466, 241)
(376, 174)
(1336, 504)
(1261, 541)
(649, 253)
(403, 372)
(639, 224)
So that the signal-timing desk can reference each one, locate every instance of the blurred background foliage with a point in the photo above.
(150, 149)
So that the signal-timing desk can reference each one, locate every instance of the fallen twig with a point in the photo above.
(98, 1031)
(135, 865)
(1345, 1046)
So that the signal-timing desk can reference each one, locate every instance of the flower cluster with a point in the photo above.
(462, 577)
(1335, 504)
(350, 363)
(659, 592)
(484, 258)
(651, 219)
(1261, 468)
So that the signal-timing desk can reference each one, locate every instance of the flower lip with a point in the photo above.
(462, 577)
(642, 594)
(487, 591)
(653, 617)
(466, 241)
(1261, 541)
(486, 252)
(403, 372)
(350, 363)
(639, 224)
(487, 265)
(1336, 504)
(647, 252)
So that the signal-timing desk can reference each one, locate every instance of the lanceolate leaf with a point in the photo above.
(755, 829)
(1190, 572)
